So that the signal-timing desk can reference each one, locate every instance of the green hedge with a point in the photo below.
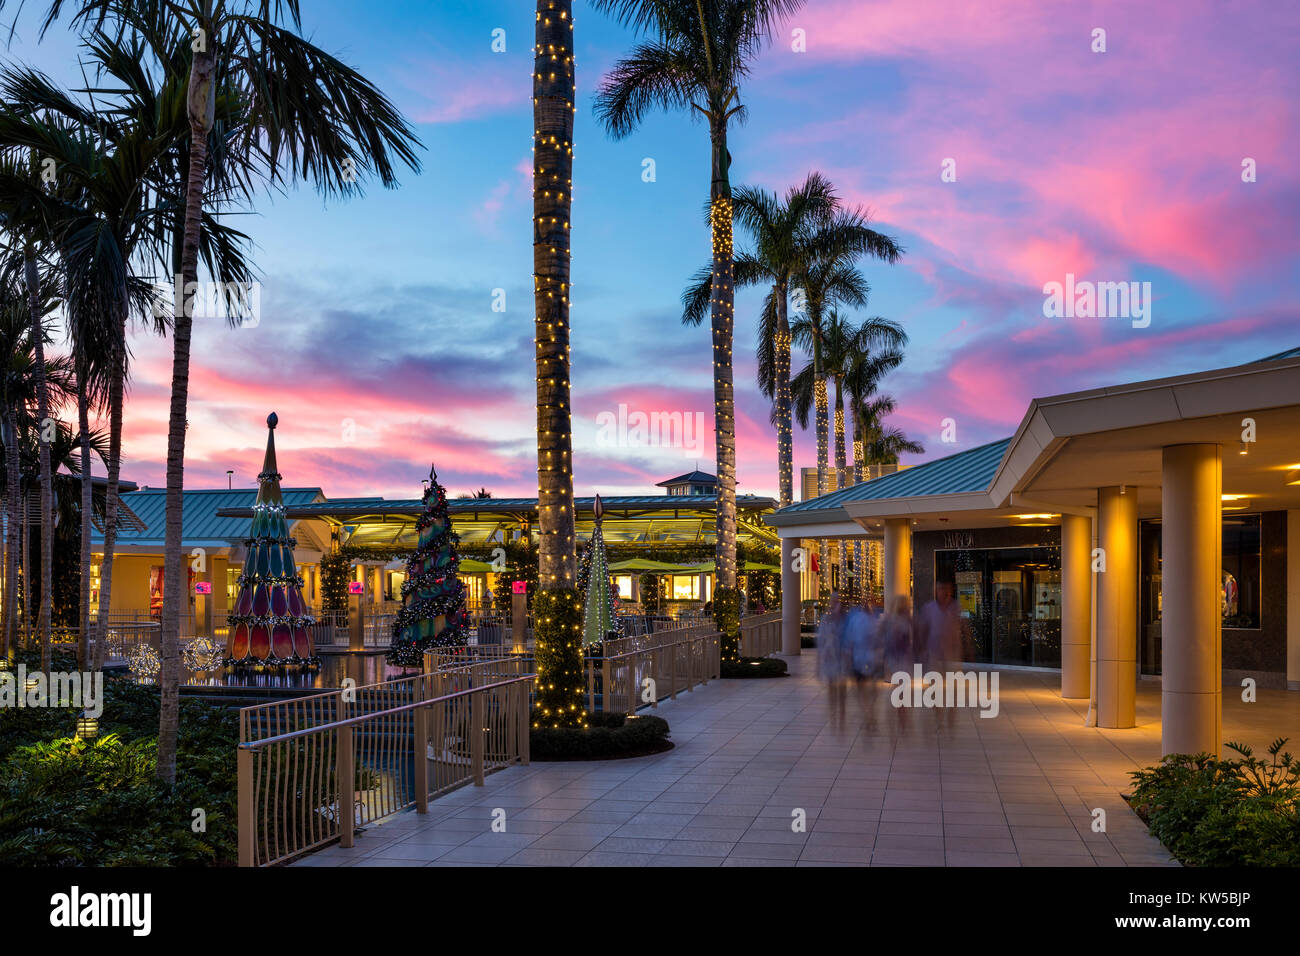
(755, 667)
(1211, 811)
(68, 802)
(608, 736)
(726, 617)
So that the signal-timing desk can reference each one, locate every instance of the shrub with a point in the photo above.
(726, 616)
(68, 802)
(608, 736)
(755, 667)
(1211, 811)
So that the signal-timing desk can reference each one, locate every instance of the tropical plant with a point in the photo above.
(695, 58)
(303, 115)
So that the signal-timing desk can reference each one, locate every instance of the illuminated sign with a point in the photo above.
(203, 587)
(356, 587)
(520, 587)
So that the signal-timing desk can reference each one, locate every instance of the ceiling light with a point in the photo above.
(1293, 477)
(1026, 517)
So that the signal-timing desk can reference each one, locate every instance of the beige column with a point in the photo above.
(1076, 605)
(898, 559)
(790, 606)
(1117, 608)
(1191, 631)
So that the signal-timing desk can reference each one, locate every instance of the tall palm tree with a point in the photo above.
(558, 641)
(117, 212)
(306, 116)
(780, 231)
(698, 53)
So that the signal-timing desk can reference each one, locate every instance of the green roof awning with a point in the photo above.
(470, 566)
(644, 564)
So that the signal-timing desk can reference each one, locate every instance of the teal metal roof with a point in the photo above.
(201, 526)
(965, 471)
(1289, 353)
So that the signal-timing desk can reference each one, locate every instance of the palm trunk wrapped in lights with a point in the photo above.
(557, 609)
(861, 586)
(784, 417)
(823, 465)
(841, 473)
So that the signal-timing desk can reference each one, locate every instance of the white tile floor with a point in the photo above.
(1016, 790)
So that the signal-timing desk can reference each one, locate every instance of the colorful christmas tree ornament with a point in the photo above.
(433, 598)
(269, 627)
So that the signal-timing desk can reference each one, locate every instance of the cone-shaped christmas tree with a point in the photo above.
(433, 597)
(593, 585)
(269, 624)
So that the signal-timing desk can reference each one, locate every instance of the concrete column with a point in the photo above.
(1191, 705)
(1293, 600)
(1117, 608)
(898, 559)
(790, 606)
(1076, 605)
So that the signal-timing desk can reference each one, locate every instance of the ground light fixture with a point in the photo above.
(87, 726)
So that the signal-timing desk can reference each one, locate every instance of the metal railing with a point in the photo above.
(760, 634)
(302, 788)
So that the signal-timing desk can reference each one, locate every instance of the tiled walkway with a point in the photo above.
(1015, 790)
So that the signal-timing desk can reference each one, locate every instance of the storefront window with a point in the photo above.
(1010, 600)
(624, 584)
(1241, 570)
(686, 587)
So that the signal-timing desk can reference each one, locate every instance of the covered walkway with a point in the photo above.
(1015, 790)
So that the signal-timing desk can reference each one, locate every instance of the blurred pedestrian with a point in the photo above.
(938, 631)
(900, 655)
(865, 656)
(831, 658)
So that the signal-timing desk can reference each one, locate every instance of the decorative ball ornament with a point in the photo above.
(143, 661)
(202, 654)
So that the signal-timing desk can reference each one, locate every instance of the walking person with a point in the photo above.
(830, 658)
(939, 636)
(896, 626)
(864, 654)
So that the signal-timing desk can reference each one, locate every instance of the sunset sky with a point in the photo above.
(1117, 166)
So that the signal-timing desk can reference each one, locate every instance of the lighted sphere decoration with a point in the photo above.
(202, 654)
(143, 661)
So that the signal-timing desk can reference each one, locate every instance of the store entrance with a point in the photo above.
(1010, 600)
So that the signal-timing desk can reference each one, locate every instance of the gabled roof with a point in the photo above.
(201, 525)
(691, 477)
(961, 473)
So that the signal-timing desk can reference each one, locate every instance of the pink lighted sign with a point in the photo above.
(520, 587)
(203, 587)
(356, 587)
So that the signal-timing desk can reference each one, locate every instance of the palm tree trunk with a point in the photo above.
(841, 471)
(722, 320)
(87, 501)
(43, 446)
(823, 465)
(859, 569)
(13, 543)
(552, 202)
(557, 608)
(784, 410)
(201, 95)
(116, 386)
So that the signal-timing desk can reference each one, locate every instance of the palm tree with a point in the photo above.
(780, 231)
(116, 214)
(305, 115)
(699, 53)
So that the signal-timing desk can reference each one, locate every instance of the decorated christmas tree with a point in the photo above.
(269, 624)
(599, 604)
(433, 597)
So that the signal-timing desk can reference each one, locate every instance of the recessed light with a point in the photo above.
(1293, 477)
